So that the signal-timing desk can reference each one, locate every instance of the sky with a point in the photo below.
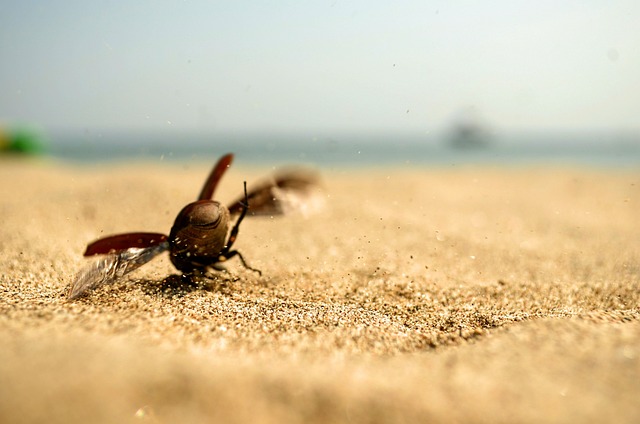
(349, 66)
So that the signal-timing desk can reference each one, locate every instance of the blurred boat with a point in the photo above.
(468, 135)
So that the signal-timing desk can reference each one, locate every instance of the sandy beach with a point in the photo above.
(444, 294)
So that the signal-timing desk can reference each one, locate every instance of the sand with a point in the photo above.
(450, 294)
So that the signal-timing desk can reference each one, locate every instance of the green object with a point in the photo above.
(22, 140)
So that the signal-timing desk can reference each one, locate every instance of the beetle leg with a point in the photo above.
(234, 231)
(230, 254)
(219, 267)
(227, 253)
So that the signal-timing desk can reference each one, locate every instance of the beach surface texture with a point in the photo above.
(433, 294)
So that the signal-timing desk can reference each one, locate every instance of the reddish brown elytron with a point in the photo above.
(202, 236)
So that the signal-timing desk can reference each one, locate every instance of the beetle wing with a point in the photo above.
(214, 178)
(120, 242)
(111, 267)
(288, 191)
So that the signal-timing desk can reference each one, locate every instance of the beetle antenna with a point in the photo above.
(245, 204)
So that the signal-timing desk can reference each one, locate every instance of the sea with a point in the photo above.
(604, 149)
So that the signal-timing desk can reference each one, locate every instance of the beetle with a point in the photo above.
(201, 237)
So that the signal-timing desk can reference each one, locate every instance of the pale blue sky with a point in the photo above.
(408, 66)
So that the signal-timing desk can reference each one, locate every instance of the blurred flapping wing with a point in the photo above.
(294, 190)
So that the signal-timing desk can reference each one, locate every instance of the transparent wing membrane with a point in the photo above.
(112, 267)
